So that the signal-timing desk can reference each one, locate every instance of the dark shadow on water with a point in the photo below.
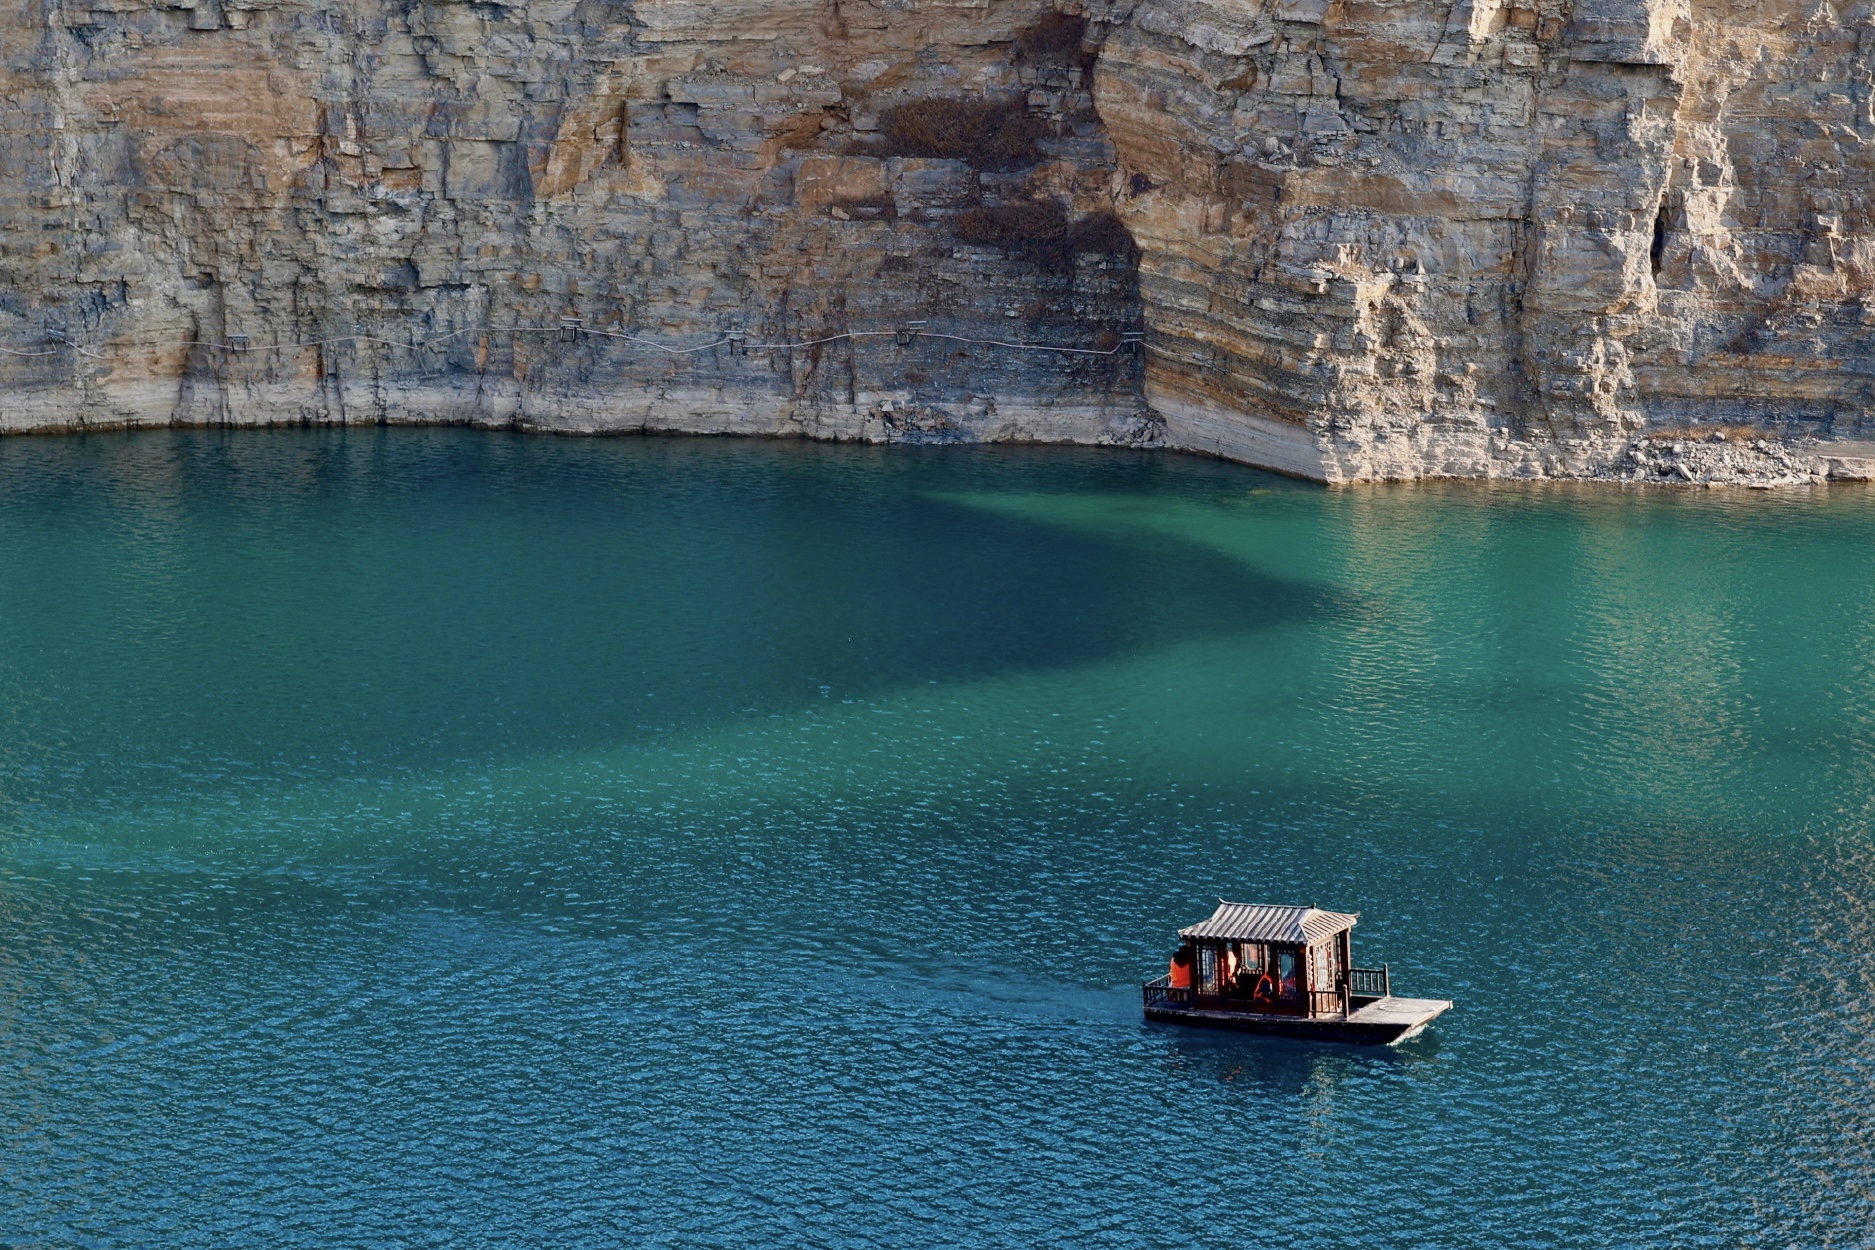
(441, 593)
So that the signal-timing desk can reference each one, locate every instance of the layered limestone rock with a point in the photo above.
(1504, 239)
(1383, 239)
(568, 214)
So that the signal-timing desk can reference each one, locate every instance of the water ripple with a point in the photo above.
(419, 838)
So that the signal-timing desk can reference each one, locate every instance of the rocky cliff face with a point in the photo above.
(270, 210)
(1615, 238)
(1483, 238)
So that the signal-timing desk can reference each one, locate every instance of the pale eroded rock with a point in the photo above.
(1376, 239)
(1495, 239)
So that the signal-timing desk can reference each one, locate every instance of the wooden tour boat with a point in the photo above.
(1284, 970)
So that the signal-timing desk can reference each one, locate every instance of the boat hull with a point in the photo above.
(1386, 1022)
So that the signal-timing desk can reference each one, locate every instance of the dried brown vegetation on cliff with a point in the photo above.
(1040, 232)
(983, 133)
(1058, 39)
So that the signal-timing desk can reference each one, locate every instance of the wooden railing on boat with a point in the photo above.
(1359, 987)
(1327, 1003)
(1371, 982)
(1160, 993)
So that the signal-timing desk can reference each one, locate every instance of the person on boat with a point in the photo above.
(1227, 971)
(1265, 990)
(1181, 969)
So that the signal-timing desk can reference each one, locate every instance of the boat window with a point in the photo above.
(1250, 956)
(1288, 984)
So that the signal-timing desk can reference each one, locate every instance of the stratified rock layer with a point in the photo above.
(273, 211)
(1489, 239)
(1614, 238)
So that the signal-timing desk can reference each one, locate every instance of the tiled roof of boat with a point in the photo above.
(1260, 922)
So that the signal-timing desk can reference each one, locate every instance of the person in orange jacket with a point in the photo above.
(1181, 968)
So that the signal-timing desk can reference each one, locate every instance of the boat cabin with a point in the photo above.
(1289, 970)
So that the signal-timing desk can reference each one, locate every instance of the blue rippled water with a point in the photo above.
(425, 838)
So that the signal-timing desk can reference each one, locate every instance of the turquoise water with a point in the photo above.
(423, 838)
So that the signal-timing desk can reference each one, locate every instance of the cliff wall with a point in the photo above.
(1608, 238)
(230, 211)
(1500, 239)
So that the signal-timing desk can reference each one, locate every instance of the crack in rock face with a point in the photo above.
(1498, 239)
(1491, 239)
(393, 209)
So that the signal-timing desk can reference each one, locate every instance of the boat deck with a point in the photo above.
(1412, 1014)
(1382, 1022)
